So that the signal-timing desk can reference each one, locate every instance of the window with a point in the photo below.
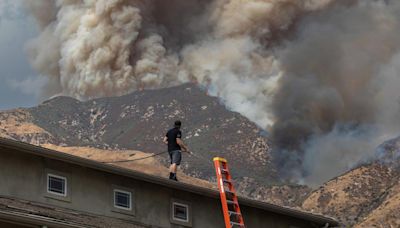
(56, 185)
(180, 212)
(122, 199)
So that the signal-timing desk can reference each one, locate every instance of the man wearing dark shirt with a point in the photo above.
(173, 139)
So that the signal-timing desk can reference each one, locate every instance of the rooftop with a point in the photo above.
(52, 154)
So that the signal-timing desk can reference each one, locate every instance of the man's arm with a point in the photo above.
(182, 145)
(165, 140)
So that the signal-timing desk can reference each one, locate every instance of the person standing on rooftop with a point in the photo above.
(173, 139)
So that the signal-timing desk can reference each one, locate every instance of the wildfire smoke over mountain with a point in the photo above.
(321, 75)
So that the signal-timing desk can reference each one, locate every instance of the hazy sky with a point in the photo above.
(19, 84)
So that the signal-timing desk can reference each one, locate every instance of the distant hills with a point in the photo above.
(367, 196)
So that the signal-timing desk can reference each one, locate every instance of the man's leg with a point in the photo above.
(176, 160)
(172, 171)
(172, 168)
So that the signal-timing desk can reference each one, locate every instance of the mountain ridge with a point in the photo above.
(366, 196)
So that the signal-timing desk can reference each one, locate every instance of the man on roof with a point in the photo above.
(173, 139)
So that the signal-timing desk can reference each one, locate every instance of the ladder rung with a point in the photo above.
(230, 195)
(227, 181)
(234, 213)
(224, 171)
(231, 202)
(237, 224)
(230, 192)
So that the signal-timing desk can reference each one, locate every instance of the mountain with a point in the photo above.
(352, 196)
(387, 213)
(139, 121)
(18, 124)
(132, 126)
(367, 196)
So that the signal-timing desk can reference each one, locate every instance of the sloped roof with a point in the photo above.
(52, 154)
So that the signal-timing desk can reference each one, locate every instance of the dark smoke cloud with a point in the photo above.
(334, 104)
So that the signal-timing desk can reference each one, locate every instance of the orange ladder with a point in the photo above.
(230, 205)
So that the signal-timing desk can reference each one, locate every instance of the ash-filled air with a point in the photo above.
(322, 76)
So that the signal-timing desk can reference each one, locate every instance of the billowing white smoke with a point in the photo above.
(92, 49)
(86, 48)
(321, 75)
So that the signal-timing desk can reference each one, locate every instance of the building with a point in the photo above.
(45, 188)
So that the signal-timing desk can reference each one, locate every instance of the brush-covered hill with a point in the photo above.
(139, 121)
(133, 126)
(367, 196)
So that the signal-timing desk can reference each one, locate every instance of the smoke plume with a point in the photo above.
(338, 97)
(320, 75)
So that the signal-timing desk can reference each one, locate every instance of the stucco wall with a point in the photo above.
(24, 176)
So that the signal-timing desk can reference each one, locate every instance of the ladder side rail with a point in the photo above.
(229, 200)
(234, 196)
(222, 194)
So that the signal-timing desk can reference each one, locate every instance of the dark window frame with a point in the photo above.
(187, 210)
(65, 185)
(115, 191)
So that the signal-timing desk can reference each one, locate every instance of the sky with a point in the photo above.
(19, 83)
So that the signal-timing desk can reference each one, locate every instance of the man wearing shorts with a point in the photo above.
(173, 139)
